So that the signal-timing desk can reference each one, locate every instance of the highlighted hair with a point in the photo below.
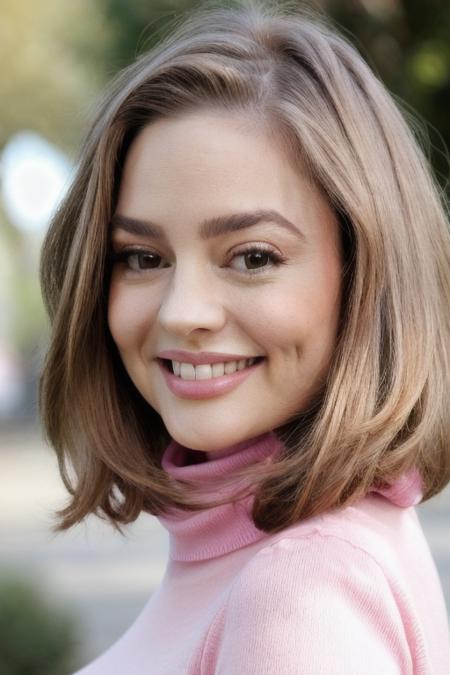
(384, 407)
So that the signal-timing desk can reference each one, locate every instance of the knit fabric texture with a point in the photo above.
(354, 590)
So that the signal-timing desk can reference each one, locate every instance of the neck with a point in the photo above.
(235, 447)
(199, 535)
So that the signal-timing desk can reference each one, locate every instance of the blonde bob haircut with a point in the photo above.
(384, 407)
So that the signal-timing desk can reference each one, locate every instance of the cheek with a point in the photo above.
(300, 314)
(272, 317)
(129, 315)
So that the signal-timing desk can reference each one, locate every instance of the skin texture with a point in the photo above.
(201, 295)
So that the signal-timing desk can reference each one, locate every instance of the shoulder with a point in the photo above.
(311, 602)
(368, 535)
(321, 563)
(360, 554)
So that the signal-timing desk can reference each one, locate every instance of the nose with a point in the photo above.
(191, 302)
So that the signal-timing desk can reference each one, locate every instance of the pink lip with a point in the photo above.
(197, 358)
(199, 389)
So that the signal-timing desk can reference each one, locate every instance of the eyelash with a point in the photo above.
(125, 254)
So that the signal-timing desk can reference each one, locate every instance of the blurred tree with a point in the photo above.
(406, 42)
(51, 73)
(48, 50)
(36, 638)
(60, 54)
(138, 25)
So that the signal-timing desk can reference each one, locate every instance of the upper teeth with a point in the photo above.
(205, 371)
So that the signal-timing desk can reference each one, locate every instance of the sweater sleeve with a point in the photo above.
(315, 606)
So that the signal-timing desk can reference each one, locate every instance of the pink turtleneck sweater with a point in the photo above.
(351, 591)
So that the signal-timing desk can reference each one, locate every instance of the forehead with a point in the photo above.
(213, 171)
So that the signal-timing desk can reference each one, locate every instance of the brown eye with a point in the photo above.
(143, 260)
(137, 260)
(257, 259)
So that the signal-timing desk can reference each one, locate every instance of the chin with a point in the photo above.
(204, 443)
(211, 442)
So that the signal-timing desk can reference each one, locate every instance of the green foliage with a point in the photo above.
(136, 26)
(65, 58)
(45, 84)
(35, 638)
(406, 42)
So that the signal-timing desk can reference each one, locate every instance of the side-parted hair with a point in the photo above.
(385, 406)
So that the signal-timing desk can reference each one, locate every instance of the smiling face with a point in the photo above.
(179, 282)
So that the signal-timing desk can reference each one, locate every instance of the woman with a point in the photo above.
(249, 288)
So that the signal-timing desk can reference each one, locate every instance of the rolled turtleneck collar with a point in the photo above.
(214, 531)
(217, 530)
(406, 491)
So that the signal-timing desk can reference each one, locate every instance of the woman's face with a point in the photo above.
(199, 267)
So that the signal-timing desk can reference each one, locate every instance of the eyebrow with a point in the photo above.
(209, 228)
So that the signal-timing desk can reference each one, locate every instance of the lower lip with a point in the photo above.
(215, 386)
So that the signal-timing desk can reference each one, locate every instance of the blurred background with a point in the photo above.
(66, 598)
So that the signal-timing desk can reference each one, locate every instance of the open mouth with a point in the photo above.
(168, 365)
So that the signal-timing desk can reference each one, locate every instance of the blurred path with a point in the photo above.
(103, 577)
(106, 578)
